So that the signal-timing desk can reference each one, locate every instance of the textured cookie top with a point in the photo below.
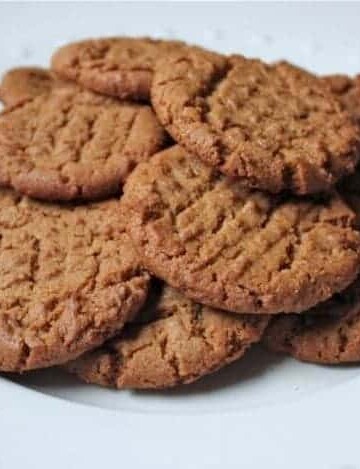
(348, 91)
(330, 333)
(121, 67)
(235, 248)
(332, 337)
(69, 279)
(273, 127)
(23, 83)
(350, 191)
(183, 342)
(74, 144)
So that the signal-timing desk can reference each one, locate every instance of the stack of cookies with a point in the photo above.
(164, 207)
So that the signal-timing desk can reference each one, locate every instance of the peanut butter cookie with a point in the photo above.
(330, 333)
(121, 67)
(235, 248)
(182, 342)
(331, 337)
(19, 84)
(74, 144)
(69, 280)
(273, 127)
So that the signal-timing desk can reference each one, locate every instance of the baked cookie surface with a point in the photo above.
(121, 67)
(74, 144)
(234, 248)
(273, 127)
(330, 337)
(19, 84)
(347, 89)
(330, 333)
(182, 342)
(69, 279)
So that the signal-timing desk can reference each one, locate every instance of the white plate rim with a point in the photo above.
(95, 435)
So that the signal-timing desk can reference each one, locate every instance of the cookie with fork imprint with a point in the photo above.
(71, 143)
(273, 127)
(332, 336)
(118, 66)
(182, 342)
(69, 280)
(19, 84)
(234, 248)
(330, 333)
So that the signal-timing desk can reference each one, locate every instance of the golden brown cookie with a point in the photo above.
(330, 332)
(234, 248)
(74, 144)
(19, 84)
(182, 342)
(348, 91)
(331, 337)
(69, 279)
(273, 127)
(120, 66)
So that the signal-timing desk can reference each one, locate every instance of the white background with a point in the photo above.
(265, 411)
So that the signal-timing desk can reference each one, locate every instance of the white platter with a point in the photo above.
(265, 411)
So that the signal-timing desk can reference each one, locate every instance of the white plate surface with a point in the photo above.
(264, 411)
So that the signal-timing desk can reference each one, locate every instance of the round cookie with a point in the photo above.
(69, 280)
(273, 127)
(19, 84)
(74, 144)
(121, 67)
(348, 91)
(182, 342)
(330, 333)
(331, 337)
(234, 248)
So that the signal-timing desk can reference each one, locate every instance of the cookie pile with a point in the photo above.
(164, 207)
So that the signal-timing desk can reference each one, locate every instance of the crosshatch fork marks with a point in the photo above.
(266, 254)
(73, 144)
